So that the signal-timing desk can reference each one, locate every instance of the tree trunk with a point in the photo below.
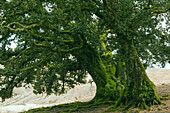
(108, 88)
(139, 90)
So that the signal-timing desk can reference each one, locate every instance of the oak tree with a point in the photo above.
(59, 42)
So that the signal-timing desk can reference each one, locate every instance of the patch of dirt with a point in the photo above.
(163, 90)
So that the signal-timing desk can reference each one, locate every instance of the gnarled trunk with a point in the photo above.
(139, 90)
(108, 88)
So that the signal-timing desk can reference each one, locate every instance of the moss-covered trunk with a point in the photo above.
(107, 85)
(139, 90)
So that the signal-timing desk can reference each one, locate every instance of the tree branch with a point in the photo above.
(161, 11)
(109, 9)
(42, 61)
(23, 27)
(12, 59)
(57, 49)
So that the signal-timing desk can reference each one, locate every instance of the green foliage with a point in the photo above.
(50, 35)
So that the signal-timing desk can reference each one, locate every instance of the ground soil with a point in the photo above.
(162, 90)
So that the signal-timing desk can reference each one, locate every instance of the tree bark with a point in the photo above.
(108, 88)
(139, 90)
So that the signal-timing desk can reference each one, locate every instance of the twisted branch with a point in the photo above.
(57, 49)
(21, 25)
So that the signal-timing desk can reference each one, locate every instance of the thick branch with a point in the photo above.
(20, 29)
(57, 49)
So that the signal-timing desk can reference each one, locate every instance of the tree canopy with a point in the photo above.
(59, 42)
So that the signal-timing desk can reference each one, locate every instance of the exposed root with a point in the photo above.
(121, 106)
(111, 105)
(118, 102)
(112, 109)
(165, 98)
(79, 105)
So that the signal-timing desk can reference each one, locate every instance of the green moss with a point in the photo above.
(159, 109)
(139, 88)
